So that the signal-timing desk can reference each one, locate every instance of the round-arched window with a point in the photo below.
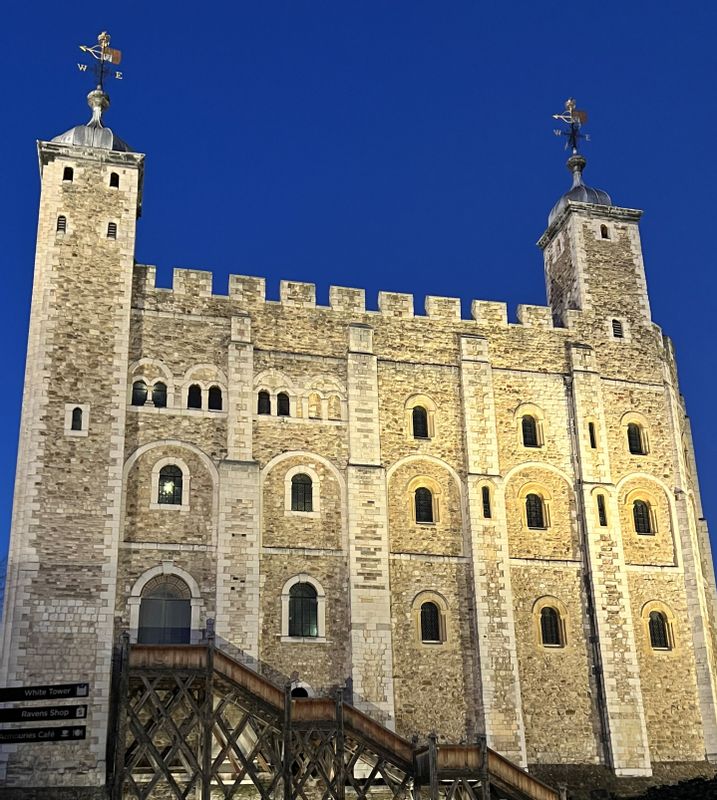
(165, 615)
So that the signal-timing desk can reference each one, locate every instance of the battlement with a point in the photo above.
(249, 292)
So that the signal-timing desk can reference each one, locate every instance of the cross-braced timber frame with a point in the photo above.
(194, 724)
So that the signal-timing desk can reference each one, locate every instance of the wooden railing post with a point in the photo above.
(484, 774)
(287, 758)
(208, 715)
(433, 765)
(120, 727)
(340, 756)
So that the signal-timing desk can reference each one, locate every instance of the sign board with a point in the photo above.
(63, 734)
(40, 713)
(58, 692)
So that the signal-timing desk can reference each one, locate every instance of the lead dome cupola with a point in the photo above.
(579, 192)
(94, 133)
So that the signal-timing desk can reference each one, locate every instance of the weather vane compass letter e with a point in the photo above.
(575, 119)
(104, 55)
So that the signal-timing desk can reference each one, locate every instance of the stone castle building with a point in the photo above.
(476, 527)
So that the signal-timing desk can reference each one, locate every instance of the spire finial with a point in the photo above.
(575, 119)
(104, 56)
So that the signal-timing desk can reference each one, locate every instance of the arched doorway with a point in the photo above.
(165, 612)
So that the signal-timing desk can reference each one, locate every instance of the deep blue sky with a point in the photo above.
(399, 145)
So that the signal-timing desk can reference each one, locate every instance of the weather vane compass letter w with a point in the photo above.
(575, 119)
(104, 56)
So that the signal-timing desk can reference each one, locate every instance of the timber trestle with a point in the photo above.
(194, 724)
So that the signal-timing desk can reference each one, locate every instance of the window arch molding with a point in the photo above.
(275, 382)
(532, 487)
(150, 371)
(424, 401)
(652, 501)
(537, 413)
(303, 469)
(670, 620)
(303, 577)
(550, 601)
(430, 596)
(636, 418)
(167, 569)
(424, 482)
(169, 461)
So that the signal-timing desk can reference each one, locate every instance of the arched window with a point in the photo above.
(303, 610)
(423, 500)
(165, 615)
(604, 232)
(602, 512)
(635, 439)
(76, 419)
(430, 623)
(114, 180)
(334, 407)
(550, 628)
(314, 406)
(194, 396)
(617, 329)
(485, 497)
(641, 517)
(159, 395)
(535, 511)
(263, 405)
(659, 632)
(139, 393)
(530, 431)
(170, 486)
(591, 434)
(282, 405)
(68, 174)
(215, 398)
(112, 230)
(301, 493)
(420, 423)
(61, 224)
(299, 691)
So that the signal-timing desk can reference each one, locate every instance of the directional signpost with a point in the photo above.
(58, 692)
(61, 713)
(64, 734)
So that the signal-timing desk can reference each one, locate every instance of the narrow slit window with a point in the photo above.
(215, 398)
(535, 511)
(76, 419)
(604, 232)
(159, 395)
(550, 632)
(194, 396)
(530, 431)
(61, 224)
(139, 393)
(114, 180)
(420, 423)
(591, 434)
(430, 623)
(635, 439)
(282, 405)
(602, 511)
(112, 230)
(659, 633)
(423, 500)
(170, 486)
(302, 494)
(618, 330)
(68, 175)
(641, 517)
(485, 496)
(263, 405)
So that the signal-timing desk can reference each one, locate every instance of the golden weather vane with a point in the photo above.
(103, 55)
(575, 119)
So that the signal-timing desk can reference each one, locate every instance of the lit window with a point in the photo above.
(139, 393)
(659, 632)
(420, 423)
(159, 395)
(424, 504)
(550, 628)
(530, 431)
(282, 404)
(263, 405)
(641, 517)
(194, 396)
(215, 398)
(170, 486)
(535, 511)
(430, 623)
(303, 610)
(301, 493)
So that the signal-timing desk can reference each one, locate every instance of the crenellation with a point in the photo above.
(294, 293)
(535, 316)
(247, 290)
(395, 304)
(448, 308)
(351, 301)
(487, 312)
(192, 282)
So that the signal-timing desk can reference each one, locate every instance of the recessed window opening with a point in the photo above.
(430, 623)
(420, 423)
(303, 610)
(215, 398)
(535, 511)
(76, 419)
(659, 632)
(263, 405)
(282, 405)
(68, 174)
(159, 395)
(602, 511)
(550, 632)
(112, 230)
(604, 232)
(194, 396)
(641, 517)
(591, 435)
(334, 407)
(530, 431)
(635, 439)
(618, 330)
(170, 486)
(164, 617)
(423, 499)
(139, 393)
(301, 493)
(61, 224)
(485, 496)
(114, 180)
(299, 691)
